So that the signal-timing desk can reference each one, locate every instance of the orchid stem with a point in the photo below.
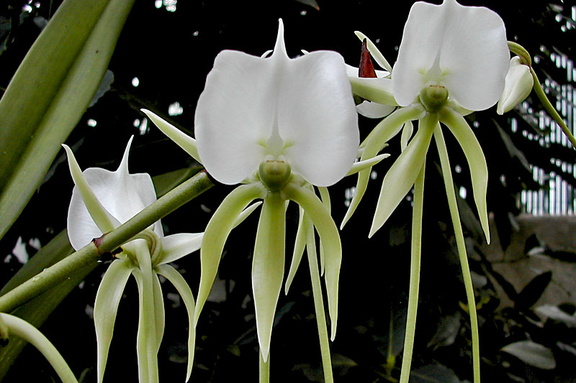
(461, 246)
(264, 374)
(92, 253)
(319, 306)
(550, 108)
(414, 287)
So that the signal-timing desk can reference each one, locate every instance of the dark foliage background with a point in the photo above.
(170, 53)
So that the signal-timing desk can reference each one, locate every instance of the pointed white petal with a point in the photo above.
(176, 246)
(317, 118)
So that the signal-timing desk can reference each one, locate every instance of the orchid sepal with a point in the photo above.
(476, 162)
(187, 143)
(330, 240)
(106, 305)
(216, 234)
(403, 173)
(268, 266)
(375, 141)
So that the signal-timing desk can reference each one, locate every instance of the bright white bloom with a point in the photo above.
(299, 111)
(463, 49)
(518, 85)
(280, 127)
(101, 201)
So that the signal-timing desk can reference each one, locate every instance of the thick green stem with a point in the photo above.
(414, 288)
(91, 253)
(461, 246)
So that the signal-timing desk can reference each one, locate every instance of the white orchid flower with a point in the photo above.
(518, 85)
(101, 201)
(452, 60)
(279, 126)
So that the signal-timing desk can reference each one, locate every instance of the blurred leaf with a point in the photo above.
(556, 314)
(50, 92)
(533, 290)
(163, 183)
(433, 373)
(311, 3)
(531, 353)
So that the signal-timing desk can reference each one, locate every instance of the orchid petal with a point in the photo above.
(462, 48)
(407, 131)
(98, 220)
(476, 162)
(176, 246)
(120, 193)
(106, 307)
(235, 115)
(329, 239)
(374, 110)
(217, 231)
(316, 86)
(374, 51)
(403, 173)
(172, 275)
(22, 329)
(268, 267)
(180, 138)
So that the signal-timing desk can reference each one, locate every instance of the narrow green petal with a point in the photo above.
(476, 162)
(147, 337)
(407, 131)
(172, 275)
(375, 141)
(217, 231)
(106, 307)
(358, 166)
(325, 197)
(299, 246)
(26, 331)
(180, 138)
(268, 267)
(329, 239)
(103, 219)
(403, 173)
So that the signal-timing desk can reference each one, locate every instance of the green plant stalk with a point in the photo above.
(550, 108)
(319, 305)
(264, 369)
(92, 253)
(414, 287)
(461, 246)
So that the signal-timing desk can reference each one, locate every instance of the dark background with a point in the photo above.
(171, 53)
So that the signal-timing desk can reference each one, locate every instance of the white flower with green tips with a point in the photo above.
(280, 127)
(101, 201)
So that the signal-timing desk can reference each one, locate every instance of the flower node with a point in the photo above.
(434, 97)
(274, 174)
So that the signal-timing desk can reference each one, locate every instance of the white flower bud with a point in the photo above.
(517, 86)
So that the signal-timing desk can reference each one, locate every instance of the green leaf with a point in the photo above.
(50, 92)
(531, 353)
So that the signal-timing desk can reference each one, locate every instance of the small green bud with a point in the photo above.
(274, 174)
(434, 97)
